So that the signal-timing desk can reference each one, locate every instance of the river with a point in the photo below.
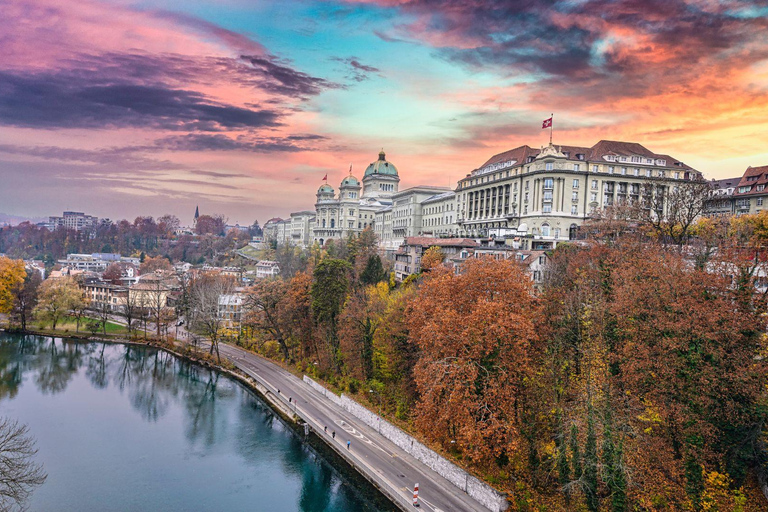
(129, 428)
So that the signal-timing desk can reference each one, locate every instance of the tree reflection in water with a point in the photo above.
(218, 415)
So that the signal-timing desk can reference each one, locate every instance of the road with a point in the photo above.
(369, 449)
(390, 465)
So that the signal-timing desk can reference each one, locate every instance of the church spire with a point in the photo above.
(197, 212)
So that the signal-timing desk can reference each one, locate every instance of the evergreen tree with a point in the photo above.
(590, 465)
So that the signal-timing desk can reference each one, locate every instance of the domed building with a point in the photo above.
(380, 178)
(354, 208)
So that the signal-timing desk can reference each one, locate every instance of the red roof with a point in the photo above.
(753, 177)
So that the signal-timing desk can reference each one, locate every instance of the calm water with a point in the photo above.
(129, 428)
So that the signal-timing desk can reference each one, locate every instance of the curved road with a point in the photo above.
(386, 462)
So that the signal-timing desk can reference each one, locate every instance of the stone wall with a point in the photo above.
(481, 492)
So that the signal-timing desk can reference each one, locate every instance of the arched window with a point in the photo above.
(323, 222)
(572, 231)
(545, 230)
(333, 223)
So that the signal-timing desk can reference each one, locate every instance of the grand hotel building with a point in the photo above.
(543, 196)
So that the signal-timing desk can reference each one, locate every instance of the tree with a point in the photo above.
(113, 274)
(477, 338)
(373, 272)
(12, 276)
(205, 293)
(25, 298)
(57, 298)
(266, 304)
(211, 225)
(330, 286)
(432, 258)
(168, 224)
(153, 264)
(19, 474)
(672, 215)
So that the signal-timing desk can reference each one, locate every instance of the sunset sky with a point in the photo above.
(122, 108)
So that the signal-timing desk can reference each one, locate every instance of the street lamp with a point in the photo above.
(378, 398)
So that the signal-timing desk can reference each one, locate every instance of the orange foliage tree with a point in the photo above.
(477, 337)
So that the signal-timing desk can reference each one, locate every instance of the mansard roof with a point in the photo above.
(752, 177)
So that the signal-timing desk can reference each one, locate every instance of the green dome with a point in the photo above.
(381, 166)
(350, 181)
(325, 189)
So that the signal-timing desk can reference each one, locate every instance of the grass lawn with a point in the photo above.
(69, 324)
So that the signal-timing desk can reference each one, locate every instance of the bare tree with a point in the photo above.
(205, 293)
(19, 474)
(672, 214)
(131, 311)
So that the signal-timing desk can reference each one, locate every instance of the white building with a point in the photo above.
(266, 268)
(76, 221)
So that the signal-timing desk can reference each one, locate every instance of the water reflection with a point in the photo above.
(207, 433)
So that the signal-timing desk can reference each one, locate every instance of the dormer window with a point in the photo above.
(567, 154)
(636, 159)
(530, 159)
(580, 156)
(760, 188)
(622, 158)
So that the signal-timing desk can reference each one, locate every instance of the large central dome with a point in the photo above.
(381, 166)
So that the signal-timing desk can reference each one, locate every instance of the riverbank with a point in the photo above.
(392, 470)
(284, 407)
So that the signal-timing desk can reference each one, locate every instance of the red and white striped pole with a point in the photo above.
(416, 495)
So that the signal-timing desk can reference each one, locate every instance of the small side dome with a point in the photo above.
(325, 189)
(350, 181)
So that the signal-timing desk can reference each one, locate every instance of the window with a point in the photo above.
(547, 195)
(759, 201)
(575, 183)
(526, 197)
(549, 183)
(624, 171)
(575, 195)
(576, 167)
(351, 212)
(677, 175)
(545, 230)
(661, 174)
(744, 189)
(593, 197)
(547, 208)
(595, 168)
(648, 173)
(549, 166)
(760, 188)
(610, 169)
(574, 210)
(637, 171)
(594, 184)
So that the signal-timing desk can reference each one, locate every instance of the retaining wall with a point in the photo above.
(481, 492)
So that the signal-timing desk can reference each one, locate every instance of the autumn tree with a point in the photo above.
(211, 225)
(153, 264)
(57, 298)
(12, 276)
(267, 312)
(477, 338)
(431, 259)
(113, 274)
(25, 298)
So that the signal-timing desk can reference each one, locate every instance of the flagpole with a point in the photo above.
(551, 123)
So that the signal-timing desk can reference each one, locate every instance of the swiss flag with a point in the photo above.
(325, 178)
(546, 123)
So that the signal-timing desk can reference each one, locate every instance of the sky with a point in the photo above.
(122, 108)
